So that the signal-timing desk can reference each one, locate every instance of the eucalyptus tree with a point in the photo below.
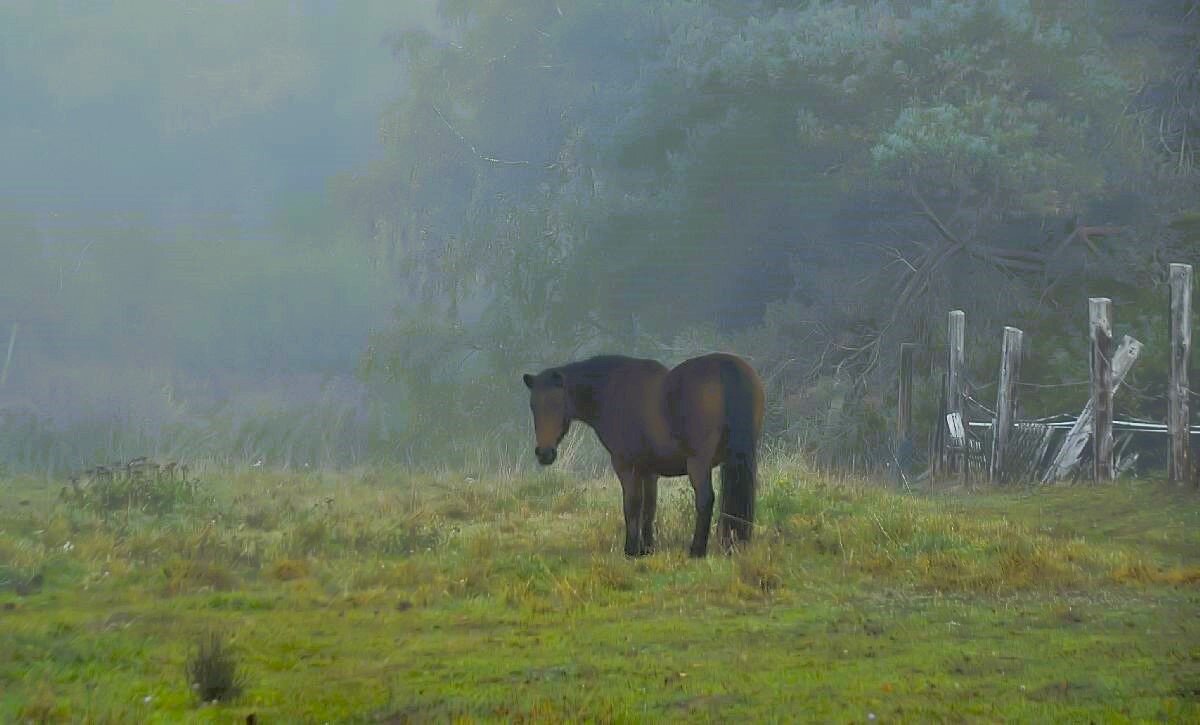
(812, 178)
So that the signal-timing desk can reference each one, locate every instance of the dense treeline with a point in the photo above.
(808, 183)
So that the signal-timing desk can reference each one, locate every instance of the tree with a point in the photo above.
(568, 176)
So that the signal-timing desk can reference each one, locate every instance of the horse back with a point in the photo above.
(701, 391)
(632, 424)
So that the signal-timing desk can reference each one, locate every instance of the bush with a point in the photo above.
(139, 485)
(213, 671)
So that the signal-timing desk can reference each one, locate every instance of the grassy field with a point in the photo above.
(380, 596)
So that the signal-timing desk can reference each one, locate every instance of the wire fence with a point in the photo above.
(1142, 426)
(1029, 446)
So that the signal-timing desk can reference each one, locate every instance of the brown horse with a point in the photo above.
(707, 411)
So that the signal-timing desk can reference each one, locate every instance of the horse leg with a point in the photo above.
(700, 472)
(631, 495)
(649, 484)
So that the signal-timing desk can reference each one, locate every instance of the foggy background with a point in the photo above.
(323, 233)
(169, 248)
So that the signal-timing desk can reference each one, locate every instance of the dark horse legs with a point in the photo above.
(700, 472)
(649, 484)
(639, 493)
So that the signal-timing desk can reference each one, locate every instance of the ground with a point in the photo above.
(385, 596)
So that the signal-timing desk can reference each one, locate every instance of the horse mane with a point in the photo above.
(594, 367)
(584, 376)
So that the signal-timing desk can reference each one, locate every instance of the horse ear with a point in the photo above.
(556, 379)
(528, 380)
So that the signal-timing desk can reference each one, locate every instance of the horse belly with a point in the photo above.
(671, 467)
(669, 460)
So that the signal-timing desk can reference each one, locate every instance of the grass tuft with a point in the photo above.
(43, 707)
(286, 570)
(192, 575)
(758, 567)
(213, 673)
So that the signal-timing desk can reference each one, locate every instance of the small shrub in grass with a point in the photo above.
(482, 545)
(288, 569)
(155, 494)
(542, 487)
(308, 536)
(259, 516)
(213, 673)
(609, 573)
(600, 533)
(779, 500)
(517, 593)
(757, 570)
(43, 707)
(188, 575)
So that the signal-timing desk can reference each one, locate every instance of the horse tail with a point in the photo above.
(740, 467)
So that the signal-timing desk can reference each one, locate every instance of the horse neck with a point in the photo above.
(585, 383)
(581, 403)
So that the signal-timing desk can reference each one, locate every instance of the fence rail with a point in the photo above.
(1133, 425)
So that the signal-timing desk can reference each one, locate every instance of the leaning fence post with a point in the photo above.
(1077, 438)
(1178, 420)
(1006, 400)
(956, 327)
(1100, 323)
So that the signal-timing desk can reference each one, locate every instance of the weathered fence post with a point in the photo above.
(904, 394)
(1075, 440)
(955, 331)
(1100, 323)
(1178, 421)
(1006, 400)
(937, 441)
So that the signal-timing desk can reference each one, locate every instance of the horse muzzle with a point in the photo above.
(545, 456)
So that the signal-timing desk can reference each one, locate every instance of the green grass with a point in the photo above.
(382, 595)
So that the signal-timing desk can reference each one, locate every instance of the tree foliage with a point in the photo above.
(809, 182)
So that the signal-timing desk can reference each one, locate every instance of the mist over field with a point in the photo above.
(171, 255)
(324, 233)
(281, 282)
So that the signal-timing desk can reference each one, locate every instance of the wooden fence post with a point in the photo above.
(1178, 421)
(955, 332)
(937, 441)
(904, 394)
(1100, 322)
(1075, 440)
(1006, 400)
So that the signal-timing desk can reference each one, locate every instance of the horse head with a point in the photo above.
(551, 417)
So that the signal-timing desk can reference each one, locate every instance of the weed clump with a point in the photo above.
(140, 485)
(189, 575)
(288, 569)
(757, 568)
(213, 672)
(43, 707)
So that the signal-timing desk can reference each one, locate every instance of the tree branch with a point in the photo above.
(468, 144)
